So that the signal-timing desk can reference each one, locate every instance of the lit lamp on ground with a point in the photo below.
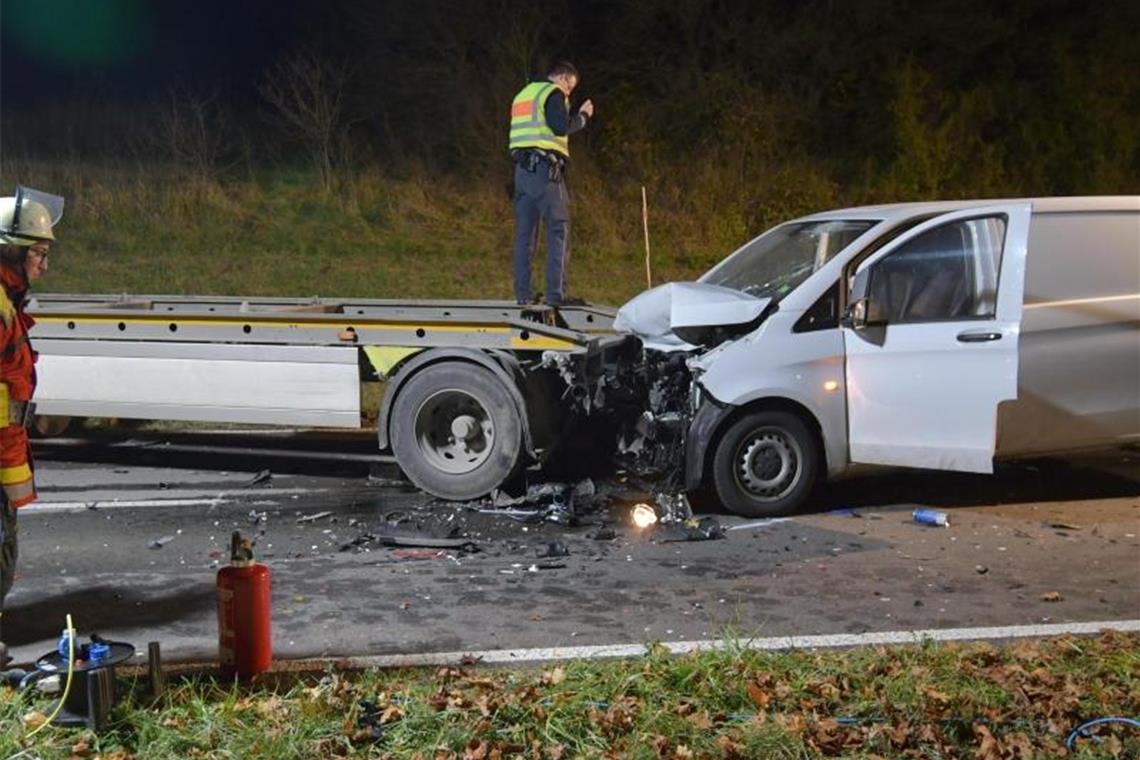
(644, 516)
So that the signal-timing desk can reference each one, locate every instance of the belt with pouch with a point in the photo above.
(19, 412)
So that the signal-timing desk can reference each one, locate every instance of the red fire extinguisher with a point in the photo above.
(245, 644)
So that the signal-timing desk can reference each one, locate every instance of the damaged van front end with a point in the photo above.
(748, 425)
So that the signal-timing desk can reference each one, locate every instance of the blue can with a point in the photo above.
(931, 517)
(97, 652)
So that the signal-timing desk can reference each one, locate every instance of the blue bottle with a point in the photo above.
(63, 647)
(931, 517)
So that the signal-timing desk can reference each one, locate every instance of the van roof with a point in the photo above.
(893, 211)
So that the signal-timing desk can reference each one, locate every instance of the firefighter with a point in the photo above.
(26, 222)
(539, 143)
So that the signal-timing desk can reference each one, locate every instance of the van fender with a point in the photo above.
(501, 364)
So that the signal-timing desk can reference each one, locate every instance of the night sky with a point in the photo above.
(132, 50)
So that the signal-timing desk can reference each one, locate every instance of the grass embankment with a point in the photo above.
(969, 701)
(417, 235)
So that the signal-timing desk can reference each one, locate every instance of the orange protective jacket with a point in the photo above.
(18, 373)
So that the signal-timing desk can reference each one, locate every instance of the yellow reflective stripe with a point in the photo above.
(16, 474)
(384, 358)
(262, 321)
(535, 342)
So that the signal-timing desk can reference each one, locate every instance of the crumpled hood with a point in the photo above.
(664, 316)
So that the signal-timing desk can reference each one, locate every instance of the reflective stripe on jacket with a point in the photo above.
(18, 372)
(528, 120)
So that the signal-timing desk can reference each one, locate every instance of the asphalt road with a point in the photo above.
(129, 534)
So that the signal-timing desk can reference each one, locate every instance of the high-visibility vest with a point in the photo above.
(528, 120)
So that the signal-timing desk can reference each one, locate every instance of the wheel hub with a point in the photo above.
(769, 465)
(454, 431)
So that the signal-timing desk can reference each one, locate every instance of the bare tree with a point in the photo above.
(194, 132)
(307, 92)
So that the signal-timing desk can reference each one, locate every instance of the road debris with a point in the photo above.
(462, 543)
(259, 479)
(844, 512)
(674, 507)
(554, 549)
(313, 517)
(158, 543)
(359, 544)
(1060, 527)
(1052, 596)
(560, 503)
(759, 523)
(704, 529)
(421, 554)
(981, 569)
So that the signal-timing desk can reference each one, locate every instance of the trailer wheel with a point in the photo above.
(51, 425)
(766, 464)
(455, 431)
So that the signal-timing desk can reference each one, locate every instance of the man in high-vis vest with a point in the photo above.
(26, 223)
(541, 126)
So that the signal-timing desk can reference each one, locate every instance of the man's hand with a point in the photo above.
(587, 108)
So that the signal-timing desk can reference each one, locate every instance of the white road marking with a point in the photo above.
(223, 497)
(502, 656)
(79, 506)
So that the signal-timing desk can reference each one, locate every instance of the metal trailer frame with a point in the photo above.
(297, 361)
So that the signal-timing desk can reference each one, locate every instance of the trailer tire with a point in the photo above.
(456, 431)
(766, 464)
(50, 425)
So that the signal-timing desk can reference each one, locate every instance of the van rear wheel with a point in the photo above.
(766, 464)
(455, 431)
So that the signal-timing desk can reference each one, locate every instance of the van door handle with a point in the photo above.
(978, 337)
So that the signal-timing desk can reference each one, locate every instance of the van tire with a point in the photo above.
(766, 464)
(432, 407)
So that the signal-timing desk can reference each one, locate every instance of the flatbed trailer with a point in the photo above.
(474, 390)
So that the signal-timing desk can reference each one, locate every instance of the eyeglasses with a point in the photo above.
(41, 253)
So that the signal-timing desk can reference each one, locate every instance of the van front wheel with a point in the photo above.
(766, 464)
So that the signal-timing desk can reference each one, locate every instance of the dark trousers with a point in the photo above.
(7, 554)
(538, 198)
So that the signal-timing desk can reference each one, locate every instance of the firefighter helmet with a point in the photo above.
(29, 216)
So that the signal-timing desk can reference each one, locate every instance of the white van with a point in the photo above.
(933, 335)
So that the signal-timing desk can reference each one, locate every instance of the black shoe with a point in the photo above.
(569, 301)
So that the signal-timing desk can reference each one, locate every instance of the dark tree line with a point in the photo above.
(783, 101)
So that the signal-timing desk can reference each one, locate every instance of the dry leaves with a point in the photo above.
(554, 677)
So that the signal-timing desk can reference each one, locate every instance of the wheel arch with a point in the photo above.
(501, 364)
(701, 449)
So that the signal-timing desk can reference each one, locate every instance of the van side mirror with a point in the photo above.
(861, 314)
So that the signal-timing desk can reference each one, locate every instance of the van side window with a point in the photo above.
(949, 272)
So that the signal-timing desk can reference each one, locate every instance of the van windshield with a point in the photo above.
(775, 263)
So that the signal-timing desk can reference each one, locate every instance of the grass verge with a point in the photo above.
(932, 701)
